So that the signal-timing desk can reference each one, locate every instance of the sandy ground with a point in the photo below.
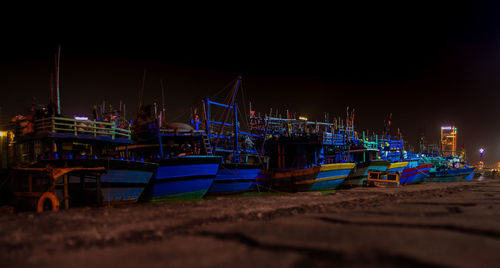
(447, 224)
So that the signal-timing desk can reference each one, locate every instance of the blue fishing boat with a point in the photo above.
(449, 169)
(232, 179)
(330, 176)
(415, 172)
(333, 167)
(182, 178)
(185, 168)
(241, 162)
(44, 137)
(65, 142)
(451, 175)
(391, 149)
(397, 167)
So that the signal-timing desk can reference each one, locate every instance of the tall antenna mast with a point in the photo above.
(141, 91)
(162, 95)
(58, 67)
(52, 94)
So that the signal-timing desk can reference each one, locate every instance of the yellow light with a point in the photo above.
(3, 133)
(303, 118)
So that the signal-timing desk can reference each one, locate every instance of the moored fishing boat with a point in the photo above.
(294, 162)
(185, 170)
(233, 179)
(415, 172)
(331, 176)
(241, 162)
(451, 175)
(182, 178)
(360, 173)
(397, 167)
(449, 169)
(65, 142)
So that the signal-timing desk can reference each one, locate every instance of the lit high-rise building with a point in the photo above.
(449, 140)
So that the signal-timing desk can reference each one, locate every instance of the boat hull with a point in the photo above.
(359, 174)
(182, 178)
(397, 167)
(233, 179)
(123, 183)
(331, 176)
(288, 180)
(451, 175)
(262, 181)
(415, 174)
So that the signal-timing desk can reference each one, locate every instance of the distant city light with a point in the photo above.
(82, 118)
(481, 150)
(303, 118)
(2, 133)
(447, 128)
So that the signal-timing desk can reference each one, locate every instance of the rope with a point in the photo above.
(245, 113)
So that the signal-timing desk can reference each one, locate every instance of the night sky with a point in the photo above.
(427, 64)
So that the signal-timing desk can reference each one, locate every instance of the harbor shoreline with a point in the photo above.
(255, 226)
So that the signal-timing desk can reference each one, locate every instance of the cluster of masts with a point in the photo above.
(267, 123)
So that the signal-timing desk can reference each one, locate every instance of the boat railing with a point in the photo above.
(181, 132)
(333, 139)
(79, 127)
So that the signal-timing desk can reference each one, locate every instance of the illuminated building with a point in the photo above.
(449, 140)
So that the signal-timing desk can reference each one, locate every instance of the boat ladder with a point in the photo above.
(206, 143)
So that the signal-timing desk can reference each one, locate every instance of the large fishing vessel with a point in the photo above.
(241, 162)
(43, 140)
(185, 168)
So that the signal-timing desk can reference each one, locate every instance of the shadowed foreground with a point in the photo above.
(448, 224)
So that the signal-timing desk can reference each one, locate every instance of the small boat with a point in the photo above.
(383, 179)
(367, 158)
(451, 175)
(449, 169)
(360, 173)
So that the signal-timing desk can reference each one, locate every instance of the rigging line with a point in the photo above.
(245, 113)
(224, 88)
(184, 112)
(246, 119)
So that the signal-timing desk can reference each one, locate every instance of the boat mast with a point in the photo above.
(230, 105)
(52, 112)
(163, 112)
(141, 91)
(58, 67)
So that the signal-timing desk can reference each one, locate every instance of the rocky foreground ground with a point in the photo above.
(447, 224)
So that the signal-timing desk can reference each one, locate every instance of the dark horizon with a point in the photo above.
(429, 66)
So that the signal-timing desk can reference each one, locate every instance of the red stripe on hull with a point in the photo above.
(417, 168)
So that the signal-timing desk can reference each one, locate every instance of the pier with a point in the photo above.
(432, 224)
